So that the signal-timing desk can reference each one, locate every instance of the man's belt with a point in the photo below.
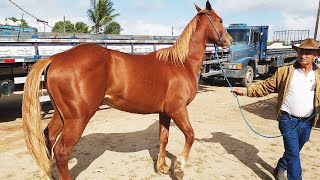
(300, 118)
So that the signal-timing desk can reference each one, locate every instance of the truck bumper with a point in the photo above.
(233, 73)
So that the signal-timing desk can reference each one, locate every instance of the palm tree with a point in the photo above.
(101, 13)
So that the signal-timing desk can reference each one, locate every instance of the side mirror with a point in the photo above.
(261, 36)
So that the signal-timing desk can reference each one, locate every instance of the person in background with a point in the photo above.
(298, 88)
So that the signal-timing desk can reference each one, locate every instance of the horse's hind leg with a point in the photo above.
(164, 123)
(53, 129)
(70, 135)
(181, 119)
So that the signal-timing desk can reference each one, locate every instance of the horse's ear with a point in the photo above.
(197, 8)
(208, 6)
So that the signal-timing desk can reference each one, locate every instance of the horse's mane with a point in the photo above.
(179, 50)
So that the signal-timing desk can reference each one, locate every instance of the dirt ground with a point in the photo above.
(120, 145)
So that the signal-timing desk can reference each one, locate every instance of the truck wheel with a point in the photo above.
(248, 77)
(207, 80)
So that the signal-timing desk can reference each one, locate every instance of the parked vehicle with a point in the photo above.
(18, 51)
(250, 56)
(13, 30)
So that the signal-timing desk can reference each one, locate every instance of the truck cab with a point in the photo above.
(241, 61)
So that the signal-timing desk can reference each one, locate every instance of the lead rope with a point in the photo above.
(239, 105)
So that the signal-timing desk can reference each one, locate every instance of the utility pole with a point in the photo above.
(172, 30)
(64, 24)
(317, 22)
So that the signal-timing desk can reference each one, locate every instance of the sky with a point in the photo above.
(167, 17)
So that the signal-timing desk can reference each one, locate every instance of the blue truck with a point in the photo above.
(250, 56)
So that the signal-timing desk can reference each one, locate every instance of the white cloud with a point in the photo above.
(143, 28)
(290, 14)
(235, 6)
(279, 14)
(140, 27)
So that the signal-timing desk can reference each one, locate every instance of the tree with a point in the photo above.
(81, 27)
(23, 22)
(112, 28)
(60, 27)
(101, 13)
(13, 19)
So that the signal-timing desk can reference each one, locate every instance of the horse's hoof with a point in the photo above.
(163, 169)
(179, 168)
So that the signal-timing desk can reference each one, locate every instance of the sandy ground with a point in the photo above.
(119, 145)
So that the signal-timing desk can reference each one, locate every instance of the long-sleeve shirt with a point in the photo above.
(279, 83)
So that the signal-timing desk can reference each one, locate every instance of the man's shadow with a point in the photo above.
(263, 108)
(92, 146)
(244, 152)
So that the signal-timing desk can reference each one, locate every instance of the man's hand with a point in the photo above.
(237, 91)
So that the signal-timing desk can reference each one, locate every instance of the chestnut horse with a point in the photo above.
(80, 79)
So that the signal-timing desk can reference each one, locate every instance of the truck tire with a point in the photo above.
(207, 80)
(248, 77)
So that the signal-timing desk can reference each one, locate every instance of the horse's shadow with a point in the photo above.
(246, 153)
(117, 142)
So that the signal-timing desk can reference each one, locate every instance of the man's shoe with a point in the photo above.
(279, 175)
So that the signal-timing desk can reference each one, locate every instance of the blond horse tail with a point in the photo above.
(31, 116)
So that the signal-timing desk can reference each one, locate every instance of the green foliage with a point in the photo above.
(101, 13)
(81, 27)
(23, 22)
(13, 19)
(60, 27)
(69, 27)
(112, 28)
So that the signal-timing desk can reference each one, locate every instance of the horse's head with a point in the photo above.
(216, 33)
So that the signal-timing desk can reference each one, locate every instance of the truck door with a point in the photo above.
(255, 43)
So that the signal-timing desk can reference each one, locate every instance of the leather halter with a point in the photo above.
(219, 37)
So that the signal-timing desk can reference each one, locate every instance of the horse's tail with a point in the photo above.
(31, 116)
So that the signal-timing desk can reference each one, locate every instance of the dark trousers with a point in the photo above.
(293, 143)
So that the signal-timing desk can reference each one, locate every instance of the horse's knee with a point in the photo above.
(61, 153)
(190, 137)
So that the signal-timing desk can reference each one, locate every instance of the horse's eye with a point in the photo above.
(221, 21)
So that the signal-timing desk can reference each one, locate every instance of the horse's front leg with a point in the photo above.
(181, 119)
(164, 124)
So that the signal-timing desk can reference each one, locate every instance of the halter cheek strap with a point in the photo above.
(219, 37)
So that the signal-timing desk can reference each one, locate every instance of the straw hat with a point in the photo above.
(309, 43)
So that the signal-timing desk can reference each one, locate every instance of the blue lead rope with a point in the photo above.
(239, 105)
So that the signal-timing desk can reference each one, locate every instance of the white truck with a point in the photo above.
(18, 51)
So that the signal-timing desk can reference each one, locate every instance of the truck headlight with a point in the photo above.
(233, 66)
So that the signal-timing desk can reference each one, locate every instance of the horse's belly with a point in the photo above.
(132, 105)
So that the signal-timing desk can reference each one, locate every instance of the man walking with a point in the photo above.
(298, 88)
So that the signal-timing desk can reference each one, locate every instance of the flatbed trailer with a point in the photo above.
(19, 51)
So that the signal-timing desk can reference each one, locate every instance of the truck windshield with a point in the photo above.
(239, 36)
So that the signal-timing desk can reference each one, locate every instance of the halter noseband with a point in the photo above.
(219, 37)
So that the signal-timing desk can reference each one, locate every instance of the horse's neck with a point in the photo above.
(196, 51)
